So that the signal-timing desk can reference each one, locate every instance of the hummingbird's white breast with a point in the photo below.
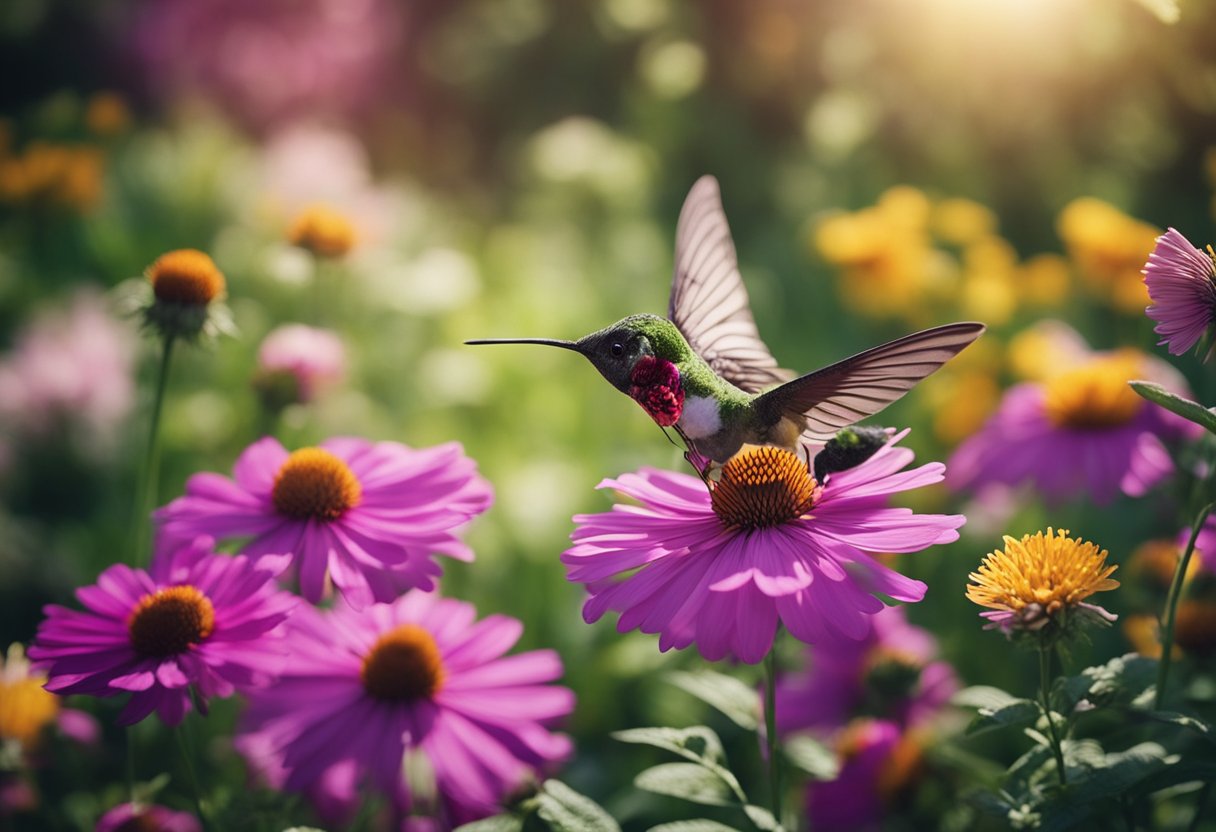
(700, 417)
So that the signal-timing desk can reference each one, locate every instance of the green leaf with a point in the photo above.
(498, 823)
(689, 781)
(1122, 679)
(762, 818)
(1115, 774)
(565, 810)
(698, 825)
(1182, 720)
(983, 697)
(1187, 409)
(697, 743)
(812, 757)
(1017, 712)
(739, 702)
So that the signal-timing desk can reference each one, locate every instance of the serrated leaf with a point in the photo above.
(697, 743)
(983, 697)
(1119, 772)
(688, 781)
(498, 823)
(762, 818)
(812, 757)
(1182, 720)
(698, 825)
(1121, 679)
(1017, 712)
(565, 810)
(740, 703)
(1187, 409)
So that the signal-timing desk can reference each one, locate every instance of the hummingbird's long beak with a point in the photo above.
(550, 342)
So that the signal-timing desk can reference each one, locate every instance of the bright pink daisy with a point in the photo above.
(720, 568)
(368, 516)
(893, 674)
(200, 622)
(1181, 282)
(129, 817)
(418, 681)
(1081, 433)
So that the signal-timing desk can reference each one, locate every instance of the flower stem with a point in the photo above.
(186, 743)
(148, 490)
(1045, 693)
(770, 726)
(1171, 604)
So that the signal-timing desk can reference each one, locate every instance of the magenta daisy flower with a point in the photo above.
(130, 817)
(367, 516)
(879, 761)
(200, 622)
(1081, 433)
(1181, 282)
(720, 568)
(417, 681)
(891, 674)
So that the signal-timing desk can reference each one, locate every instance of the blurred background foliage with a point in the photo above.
(515, 168)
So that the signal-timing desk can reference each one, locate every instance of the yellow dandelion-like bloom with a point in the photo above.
(322, 231)
(1039, 580)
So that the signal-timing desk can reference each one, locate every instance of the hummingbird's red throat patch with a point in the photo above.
(655, 385)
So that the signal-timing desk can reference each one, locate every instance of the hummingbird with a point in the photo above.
(704, 370)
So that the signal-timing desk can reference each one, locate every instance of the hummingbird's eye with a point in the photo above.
(617, 349)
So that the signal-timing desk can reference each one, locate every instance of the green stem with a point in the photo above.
(186, 744)
(148, 485)
(1171, 604)
(770, 725)
(1045, 693)
(1200, 804)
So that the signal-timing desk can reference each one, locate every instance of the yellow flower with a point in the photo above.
(26, 708)
(1044, 281)
(322, 231)
(962, 221)
(1036, 583)
(1109, 248)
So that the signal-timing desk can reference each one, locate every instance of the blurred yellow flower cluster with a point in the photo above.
(55, 175)
(1109, 249)
(912, 257)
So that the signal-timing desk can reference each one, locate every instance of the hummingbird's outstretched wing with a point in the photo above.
(708, 302)
(850, 390)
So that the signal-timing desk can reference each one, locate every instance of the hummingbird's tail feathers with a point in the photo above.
(862, 385)
(548, 342)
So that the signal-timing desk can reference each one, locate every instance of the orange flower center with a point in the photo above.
(170, 621)
(1096, 395)
(763, 487)
(186, 276)
(313, 483)
(323, 231)
(403, 665)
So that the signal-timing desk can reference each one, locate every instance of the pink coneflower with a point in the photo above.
(1080, 433)
(1181, 282)
(199, 622)
(308, 358)
(130, 817)
(767, 544)
(367, 516)
(879, 761)
(418, 680)
(891, 674)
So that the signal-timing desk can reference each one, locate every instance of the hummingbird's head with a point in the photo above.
(615, 350)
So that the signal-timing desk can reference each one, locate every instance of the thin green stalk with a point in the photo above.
(770, 725)
(130, 735)
(147, 490)
(186, 744)
(1171, 604)
(1045, 693)
(1200, 804)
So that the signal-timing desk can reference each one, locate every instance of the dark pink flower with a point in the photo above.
(874, 767)
(768, 544)
(1181, 282)
(200, 622)
(1081, 433)
(130, 817)
(892, 674)
(368, 516)
(372, 694)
